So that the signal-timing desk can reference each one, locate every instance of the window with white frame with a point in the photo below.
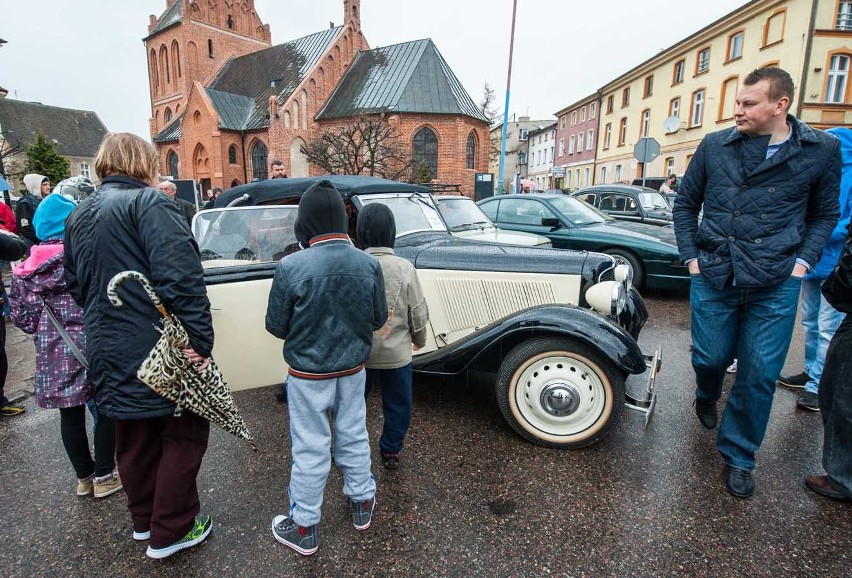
(561, 147)
(588, 176)
(677, 76)
(590, 139)
(646, 122)
(697, 108)
(603, 175)
(844, 16)
(622, 132)
(580, 141)
(583, 114)
(669, 166)
(617, 176)
(573, 118)
(578, 178)
(838, 78)
(551, 155)
(702, 61)
(593, 110)
(674, 107)
(562, 121)
(523, 134)
(84, 170)
(571, 140)
(568, 177)
(735, 46)
(607, 135)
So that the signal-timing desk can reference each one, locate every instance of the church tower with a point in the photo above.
(352, 14)
(191, 41)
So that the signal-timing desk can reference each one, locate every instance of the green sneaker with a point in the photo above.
(203, 525)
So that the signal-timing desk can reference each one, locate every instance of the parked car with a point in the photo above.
(558, 329)
(628, 203)
(649, 250)
(465, 219)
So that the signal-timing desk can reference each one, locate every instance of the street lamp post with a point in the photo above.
(506, 107)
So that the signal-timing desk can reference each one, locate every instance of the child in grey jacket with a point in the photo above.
(390, 358)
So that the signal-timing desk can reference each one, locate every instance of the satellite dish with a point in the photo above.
(671, 124)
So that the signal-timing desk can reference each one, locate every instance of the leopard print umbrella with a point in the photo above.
(169, 372)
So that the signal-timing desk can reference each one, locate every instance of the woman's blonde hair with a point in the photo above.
(126, 154)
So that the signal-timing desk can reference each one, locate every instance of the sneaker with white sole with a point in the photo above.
(141, 536)
(362, 512)
(198, 533)
(733, 367)
(86, 486)
(108, 485)
(303, 540)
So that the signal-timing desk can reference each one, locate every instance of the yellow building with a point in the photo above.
(697, 80)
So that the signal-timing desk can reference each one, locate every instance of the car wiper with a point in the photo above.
(463, 226)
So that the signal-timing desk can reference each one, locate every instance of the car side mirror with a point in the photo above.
(551, 222)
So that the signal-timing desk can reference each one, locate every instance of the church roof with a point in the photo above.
(78, 133)
(409, 77)
(171, 132)
(240, 93)
(173, 15)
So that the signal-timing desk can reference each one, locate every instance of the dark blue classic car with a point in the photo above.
(557, 328)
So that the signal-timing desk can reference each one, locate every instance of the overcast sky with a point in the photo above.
(89, 54)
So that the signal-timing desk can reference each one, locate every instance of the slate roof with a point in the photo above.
(169, 18)
(171, 132)
(79, 132)
(240, 93)
(408, 77)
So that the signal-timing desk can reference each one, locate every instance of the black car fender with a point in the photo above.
(485, 348)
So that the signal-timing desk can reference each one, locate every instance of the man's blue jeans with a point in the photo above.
(396, 405)
(820, 321)
(755, 326)
(835, 401)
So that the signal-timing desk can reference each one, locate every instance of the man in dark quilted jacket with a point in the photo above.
(769, 189)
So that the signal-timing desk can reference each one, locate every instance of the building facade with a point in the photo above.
(76, 133)
(541, 147)
(517, 149)
(221, 118)
(689, 89)
(576, 142)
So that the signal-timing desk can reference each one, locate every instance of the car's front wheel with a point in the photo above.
(559, 393)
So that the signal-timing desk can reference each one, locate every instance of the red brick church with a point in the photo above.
(225, 102)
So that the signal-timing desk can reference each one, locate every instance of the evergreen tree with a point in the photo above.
(43, 159)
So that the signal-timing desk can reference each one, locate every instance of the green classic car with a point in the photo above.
(650, 251)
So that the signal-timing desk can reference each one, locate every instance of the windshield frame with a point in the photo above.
(578, 206)
(470, 208)
(434, 221)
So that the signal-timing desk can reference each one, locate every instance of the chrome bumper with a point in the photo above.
(647, 405)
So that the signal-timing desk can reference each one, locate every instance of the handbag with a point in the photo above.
(64, 334)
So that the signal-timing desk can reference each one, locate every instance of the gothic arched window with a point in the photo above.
(425, 149)
(172, 162)
(471, 151)
(168, 115)
(232, 154)
(259, 157)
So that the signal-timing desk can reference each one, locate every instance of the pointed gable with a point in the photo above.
(173, 15)
(243, 87)
(410, 77)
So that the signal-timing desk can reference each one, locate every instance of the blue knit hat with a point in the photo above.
(50, 216)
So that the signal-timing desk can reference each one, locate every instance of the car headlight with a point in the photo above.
(624, 274)
(608, 297)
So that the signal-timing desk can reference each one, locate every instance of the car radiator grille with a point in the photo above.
(478, 302)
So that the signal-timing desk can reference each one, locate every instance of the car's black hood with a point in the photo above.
(440, 250)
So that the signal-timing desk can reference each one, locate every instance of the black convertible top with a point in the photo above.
(277, 190)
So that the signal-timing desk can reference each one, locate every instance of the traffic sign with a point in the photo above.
(646, 150)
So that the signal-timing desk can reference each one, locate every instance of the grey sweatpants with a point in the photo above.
(309, 402)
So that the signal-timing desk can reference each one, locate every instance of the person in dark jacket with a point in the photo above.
(769, 190)
(835, 389)
(325, 301)
(159, 450)
(12, 248)
(187, 208)
(38, 187)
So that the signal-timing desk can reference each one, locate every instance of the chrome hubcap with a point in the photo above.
(560, 399)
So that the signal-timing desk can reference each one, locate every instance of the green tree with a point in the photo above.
(43, 159)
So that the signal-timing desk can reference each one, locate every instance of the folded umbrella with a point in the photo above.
(170, 373)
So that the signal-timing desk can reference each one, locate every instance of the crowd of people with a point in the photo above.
(774, 199)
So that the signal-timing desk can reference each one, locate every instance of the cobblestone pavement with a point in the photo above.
(472, 499)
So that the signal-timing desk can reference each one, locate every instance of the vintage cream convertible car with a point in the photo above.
(557, 328)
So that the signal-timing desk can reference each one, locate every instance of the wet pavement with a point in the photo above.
(472, 498)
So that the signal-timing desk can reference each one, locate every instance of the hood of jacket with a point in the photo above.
(33, 183)
(321, 212)
(43, 272)
(376, 227)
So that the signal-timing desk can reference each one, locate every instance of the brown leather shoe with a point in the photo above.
(823, 486)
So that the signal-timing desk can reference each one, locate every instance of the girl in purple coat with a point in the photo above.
(60, 379)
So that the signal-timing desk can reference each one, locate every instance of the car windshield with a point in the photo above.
(228, 237)
(412, 212)
(578, 212)
(653, 200)
(462, 213)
